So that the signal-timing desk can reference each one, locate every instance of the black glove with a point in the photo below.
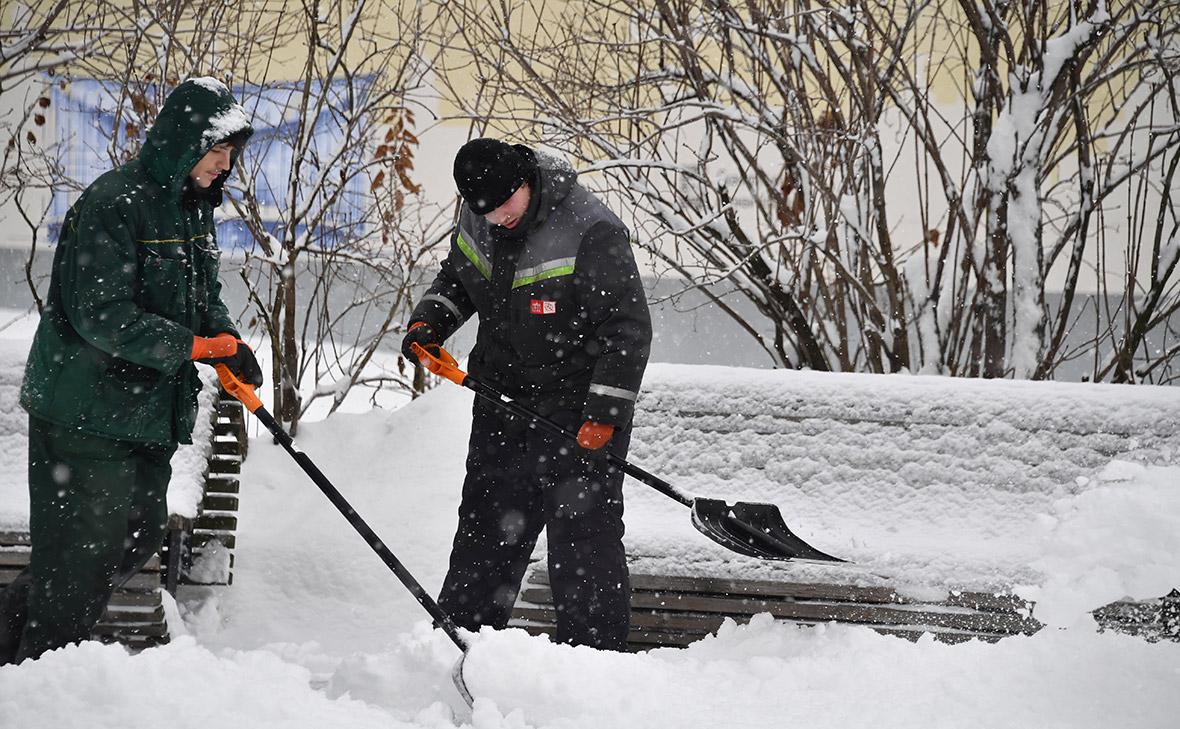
(421, 334)
(232, 352)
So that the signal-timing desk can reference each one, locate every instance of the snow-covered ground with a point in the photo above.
(315, 632)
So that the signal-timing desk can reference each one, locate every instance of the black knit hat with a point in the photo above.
(488, 171)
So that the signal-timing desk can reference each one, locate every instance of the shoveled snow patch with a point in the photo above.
(770, 674)
(408, 676)
(180, 685)
(761, 674)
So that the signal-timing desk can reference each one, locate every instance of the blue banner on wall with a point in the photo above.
(95, 121)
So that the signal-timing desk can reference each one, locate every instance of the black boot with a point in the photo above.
(14, 612)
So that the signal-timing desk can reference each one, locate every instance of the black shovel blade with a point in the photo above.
(460, 683)
(752, 529)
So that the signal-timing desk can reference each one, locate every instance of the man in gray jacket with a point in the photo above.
(564, 329)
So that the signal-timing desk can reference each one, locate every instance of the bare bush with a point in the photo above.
(794, 155)
(343, 219)
(323, 200)
(37, 43)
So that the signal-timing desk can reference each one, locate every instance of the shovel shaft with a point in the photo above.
(753, 529)
(391, 561)
(652, 480)
(490, 394)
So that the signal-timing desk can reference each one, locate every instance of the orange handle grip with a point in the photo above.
(443, 365)
(243, 392)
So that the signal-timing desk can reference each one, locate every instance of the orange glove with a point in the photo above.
(230, 351)
(593, 436)
(222, 345)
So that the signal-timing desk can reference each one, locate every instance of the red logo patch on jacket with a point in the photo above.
(540, 306)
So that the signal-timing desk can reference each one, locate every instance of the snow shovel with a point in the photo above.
(749, 528)
(245, 394)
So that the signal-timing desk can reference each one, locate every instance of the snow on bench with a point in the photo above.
(932, 487)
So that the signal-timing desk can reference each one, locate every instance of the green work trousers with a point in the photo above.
(97, 513)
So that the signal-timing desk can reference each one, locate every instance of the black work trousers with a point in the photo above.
(520, 480)
(97, 513)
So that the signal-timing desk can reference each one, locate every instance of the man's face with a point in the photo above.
(513, 209)
(215, 161)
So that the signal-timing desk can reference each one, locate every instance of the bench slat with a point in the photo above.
(140, 581)
(643, 639)
(125, 598)
(221, 464)
(817, 611)
(222, 483)
(201, 539)
(123, 615)
(14, 539)
(216, 522)
(19, 559)
(123, 630)
(812, 591)
(220, 502)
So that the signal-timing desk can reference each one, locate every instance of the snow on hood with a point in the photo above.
(198, 114)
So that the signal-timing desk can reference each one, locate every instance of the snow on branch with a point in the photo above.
(894, 229)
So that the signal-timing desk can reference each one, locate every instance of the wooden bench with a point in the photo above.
(1152, 620)
(931, 457)
(209, 541)
(676, 611)
(135, 614)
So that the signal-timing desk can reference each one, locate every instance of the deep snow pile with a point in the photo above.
(761, 675)
(315, 632)
(925, 482)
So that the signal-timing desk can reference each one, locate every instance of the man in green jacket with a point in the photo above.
(110, 387)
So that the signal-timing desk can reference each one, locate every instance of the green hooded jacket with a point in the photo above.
(134, 279)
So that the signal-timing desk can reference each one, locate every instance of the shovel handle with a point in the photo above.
(240, 390)
(444, 365)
